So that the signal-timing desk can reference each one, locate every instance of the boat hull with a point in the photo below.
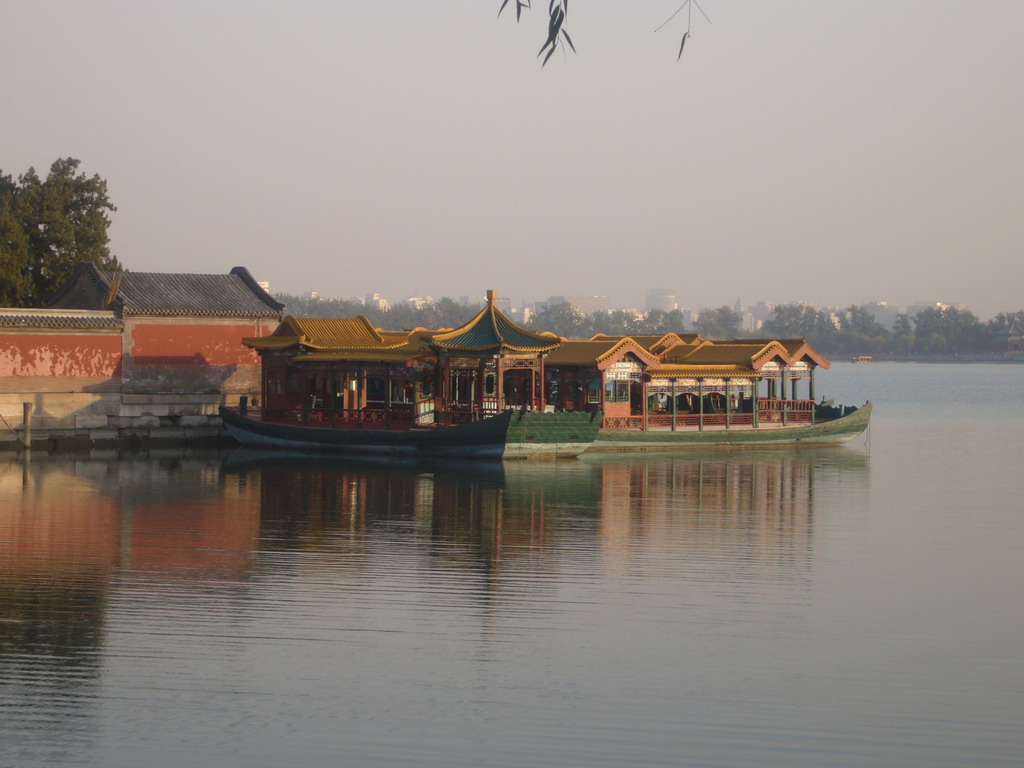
(507, 435)
(831, 432)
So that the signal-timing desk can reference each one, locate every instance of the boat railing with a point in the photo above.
(398, 416)
(623, 422)
(394, 418)
(770, 411)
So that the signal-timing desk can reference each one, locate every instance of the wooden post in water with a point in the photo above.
(26, 420)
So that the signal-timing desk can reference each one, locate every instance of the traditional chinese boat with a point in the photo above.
(494, 389)
(512, 434)
(476, 391)
(674, 392)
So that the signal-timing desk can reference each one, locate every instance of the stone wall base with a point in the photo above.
(74, 421)
(83, 440)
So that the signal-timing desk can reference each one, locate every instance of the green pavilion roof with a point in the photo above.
(492, 332)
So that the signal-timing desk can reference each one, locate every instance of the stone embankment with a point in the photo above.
(76, 421)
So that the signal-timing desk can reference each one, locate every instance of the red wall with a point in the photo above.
(53, 355)
(160, 344)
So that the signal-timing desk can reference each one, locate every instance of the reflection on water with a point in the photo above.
(760, 502)
(136, 591)
(814, 607)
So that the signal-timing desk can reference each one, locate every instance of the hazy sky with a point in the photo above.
(801, 150)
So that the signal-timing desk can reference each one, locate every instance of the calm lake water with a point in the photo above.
(830, 607)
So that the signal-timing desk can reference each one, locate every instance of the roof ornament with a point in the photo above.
(115, 286)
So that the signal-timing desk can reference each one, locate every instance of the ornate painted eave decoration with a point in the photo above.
(627, 346)
(769, 352)
(797, 350)
(492, 332)
(704, 371)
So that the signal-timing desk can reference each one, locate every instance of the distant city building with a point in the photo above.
(505, 305)
(585, 305)
(264, 285)
(913, 310)
(883, 313)
(376, 301)
(690, 316)
(762, 312)
(658, 298)
(419, 302)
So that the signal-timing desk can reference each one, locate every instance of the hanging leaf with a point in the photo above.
(685, 35)
(554, 25)
(503, 4)
(568, 40)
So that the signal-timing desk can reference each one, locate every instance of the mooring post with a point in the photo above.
(26, 420)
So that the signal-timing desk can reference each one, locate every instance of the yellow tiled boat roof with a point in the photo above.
(796, 350)
(653, 342)
(318, 333)
(597, 351)
(711, 353)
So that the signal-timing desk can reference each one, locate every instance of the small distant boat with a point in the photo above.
(862, 359)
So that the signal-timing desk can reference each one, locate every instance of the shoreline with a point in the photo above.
(78, 441)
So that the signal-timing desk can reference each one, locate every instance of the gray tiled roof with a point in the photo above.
(235, 294)
(58, 318)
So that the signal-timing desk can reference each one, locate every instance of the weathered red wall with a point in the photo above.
(159, 344)
(67, 356)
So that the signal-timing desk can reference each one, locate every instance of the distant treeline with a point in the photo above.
(932, 332)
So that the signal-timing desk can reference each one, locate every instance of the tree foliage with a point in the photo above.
(47, 226)
(934, 331)
(445, 313)
(719, 324)
(851, 331)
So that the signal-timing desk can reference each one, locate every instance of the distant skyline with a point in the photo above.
(800, 150)
(518, 301)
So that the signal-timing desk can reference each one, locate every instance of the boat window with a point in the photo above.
(375, 389)
(616, 392)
